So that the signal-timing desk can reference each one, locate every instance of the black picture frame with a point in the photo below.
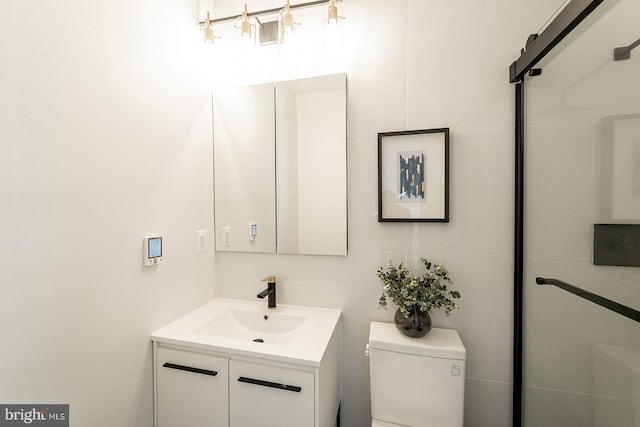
(413, 176)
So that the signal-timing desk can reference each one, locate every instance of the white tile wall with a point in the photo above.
(545, 407)
(487, 403)
(422, 64)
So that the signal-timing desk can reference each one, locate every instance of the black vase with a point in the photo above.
(416, 325)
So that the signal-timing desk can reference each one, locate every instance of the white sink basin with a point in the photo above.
(272, 328)
(289, 333)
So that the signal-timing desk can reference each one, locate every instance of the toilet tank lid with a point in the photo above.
(442, 343)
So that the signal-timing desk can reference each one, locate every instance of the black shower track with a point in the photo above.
(539, 45)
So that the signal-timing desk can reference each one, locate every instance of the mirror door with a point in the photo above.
(244, 168)
(311, 158)
(280, 159)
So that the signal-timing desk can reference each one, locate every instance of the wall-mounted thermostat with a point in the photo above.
(152, 251)
(253, 231)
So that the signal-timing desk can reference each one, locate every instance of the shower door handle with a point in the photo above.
(594, 298)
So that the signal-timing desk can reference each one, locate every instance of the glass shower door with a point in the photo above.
(582, 216)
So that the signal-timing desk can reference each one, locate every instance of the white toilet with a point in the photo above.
(416, 382)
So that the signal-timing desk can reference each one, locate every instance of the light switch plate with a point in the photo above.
(226, 237)
(202, 242)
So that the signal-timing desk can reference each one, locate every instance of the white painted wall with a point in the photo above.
(415, 64)
(105, 136)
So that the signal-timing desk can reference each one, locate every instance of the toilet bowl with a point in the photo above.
(416, 382)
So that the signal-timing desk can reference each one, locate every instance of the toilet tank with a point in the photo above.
(416, 382)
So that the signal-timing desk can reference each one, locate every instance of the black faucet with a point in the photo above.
(270, 291)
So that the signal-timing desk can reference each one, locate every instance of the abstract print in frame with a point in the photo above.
(413, 175)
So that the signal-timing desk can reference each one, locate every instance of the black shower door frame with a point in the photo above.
(537, 47)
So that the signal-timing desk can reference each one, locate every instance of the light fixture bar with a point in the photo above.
(266, 12)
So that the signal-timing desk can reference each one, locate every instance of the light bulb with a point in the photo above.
(332, 13)
(287, 18)
(208, 30)
(245, 28)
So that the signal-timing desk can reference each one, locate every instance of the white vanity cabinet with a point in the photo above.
(195, 387)
(234, 363)
(270, 396)
(191, 389)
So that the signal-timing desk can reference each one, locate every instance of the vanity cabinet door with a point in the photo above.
(270, 396)
(191, 389)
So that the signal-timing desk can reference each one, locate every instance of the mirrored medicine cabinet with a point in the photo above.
(280, 167)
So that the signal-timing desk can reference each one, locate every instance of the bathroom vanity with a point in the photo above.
(236, 363)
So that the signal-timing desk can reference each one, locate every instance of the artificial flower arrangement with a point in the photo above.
(415, 294)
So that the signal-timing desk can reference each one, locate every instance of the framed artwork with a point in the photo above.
(413, 175)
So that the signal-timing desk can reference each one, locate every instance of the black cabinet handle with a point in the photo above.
(264, 383)
(190, 369)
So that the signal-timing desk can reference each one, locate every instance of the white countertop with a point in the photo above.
(305, 345)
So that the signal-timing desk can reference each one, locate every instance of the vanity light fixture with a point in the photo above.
(246, 28)
(287, 19)
(286, 36)
(246, 15)
(332, 18)
(208, 30)
(333, 29)
(245, 25)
